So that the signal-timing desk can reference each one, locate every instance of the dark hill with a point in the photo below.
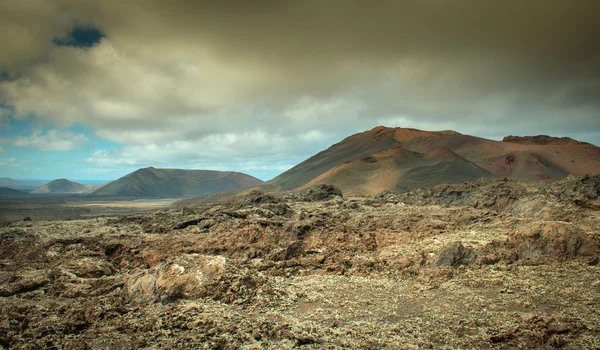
(5, 191)
(152, 182)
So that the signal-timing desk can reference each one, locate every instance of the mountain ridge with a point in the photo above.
(453, 157)
(536, 157)
(169, 182)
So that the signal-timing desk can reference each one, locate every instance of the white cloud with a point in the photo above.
(230, 146)
(10, 162)
(253, 152)
(52, 140)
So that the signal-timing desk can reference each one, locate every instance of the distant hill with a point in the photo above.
(5, 191)
(7, 182)
(152, 182)
(24, 186)
(63, 186)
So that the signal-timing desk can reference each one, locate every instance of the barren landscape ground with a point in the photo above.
(75, 207)
(485, 264)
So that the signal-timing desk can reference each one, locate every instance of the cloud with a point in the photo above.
(4, 115)
(247, 78)
(257, 153)
(52, 140)
(10, 162)
(1, 149)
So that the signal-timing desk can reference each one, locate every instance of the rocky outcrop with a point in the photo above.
(185, 277)
(539, 140)
(317, 193)
(555, 239)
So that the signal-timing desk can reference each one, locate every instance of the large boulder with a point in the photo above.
(552, 239)
(318, 193)
(583, 190)
(257, 197)
(455, 254)
(181, 278)
(22, 282)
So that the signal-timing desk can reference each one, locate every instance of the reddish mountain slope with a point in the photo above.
(399, 169)
(349, 162)
(349, 149)
(534, 157)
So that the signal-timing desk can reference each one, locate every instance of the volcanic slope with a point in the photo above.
(63, 186)
(353, 147)
(152, 182)
(532, 157)
(399, 169)
(529, 157)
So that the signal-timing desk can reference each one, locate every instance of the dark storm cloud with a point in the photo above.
(183, 70)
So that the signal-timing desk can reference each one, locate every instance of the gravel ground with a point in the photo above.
(478, 265)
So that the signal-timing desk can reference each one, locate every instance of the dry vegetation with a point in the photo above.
(484, 264)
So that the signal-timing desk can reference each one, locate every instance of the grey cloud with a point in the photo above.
(27, 29)
(52, 140)
(190, 69)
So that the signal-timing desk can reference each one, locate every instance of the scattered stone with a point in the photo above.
(474, 265)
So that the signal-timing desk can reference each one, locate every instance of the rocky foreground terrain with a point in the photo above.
(485, 264)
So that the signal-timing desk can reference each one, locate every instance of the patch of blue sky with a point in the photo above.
(34, 163)
(81, 37)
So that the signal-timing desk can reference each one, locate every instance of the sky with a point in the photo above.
(97, 89)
